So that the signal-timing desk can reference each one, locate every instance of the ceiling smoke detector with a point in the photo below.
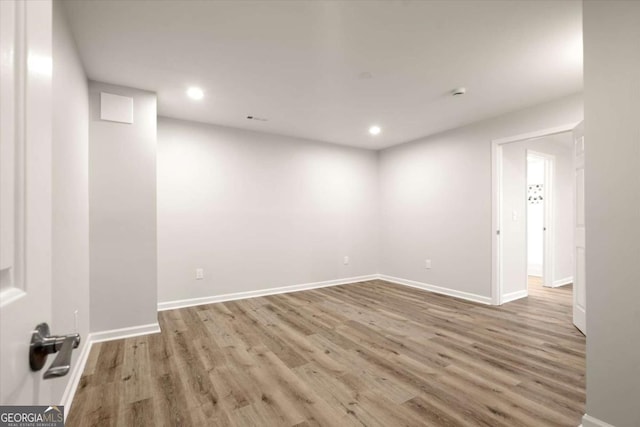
(459, 91)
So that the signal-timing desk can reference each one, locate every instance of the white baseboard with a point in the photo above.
(76, 374)
(171, 305)
(132, 331)
(78, 367)
(562, 282)
(512, 296)
(534, 270)
(589, 421)
(152, 328)
(437, 289)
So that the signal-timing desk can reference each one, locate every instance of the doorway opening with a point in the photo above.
(537, 190)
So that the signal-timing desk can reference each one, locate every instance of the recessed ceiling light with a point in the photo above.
(374, 130)
(195, 93)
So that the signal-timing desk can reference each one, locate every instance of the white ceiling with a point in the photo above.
(299, 64)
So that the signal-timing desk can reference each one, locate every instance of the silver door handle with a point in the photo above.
(43, 344)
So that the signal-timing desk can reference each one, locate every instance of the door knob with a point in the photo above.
(44, 344)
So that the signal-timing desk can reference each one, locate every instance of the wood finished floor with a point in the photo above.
(365, 354)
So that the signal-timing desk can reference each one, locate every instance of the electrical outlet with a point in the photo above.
(427, 264)
(199, 273)
(346, 260)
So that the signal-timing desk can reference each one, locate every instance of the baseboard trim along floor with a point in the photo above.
(589, 421)
(382, 350)
(78, 367)
(152, 328)
(562, 282)
(133, 331)
(170, 305)
(437, 289)
(512, 296)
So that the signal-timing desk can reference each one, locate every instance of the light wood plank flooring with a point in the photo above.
(365, 354)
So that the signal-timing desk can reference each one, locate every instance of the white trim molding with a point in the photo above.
(132, 331)
(92, 338)
(152, 328)
(437, 289)
(496, 201)
(76, 374)
(171, 305)
(562, 282)
(534, 270)
(589, 421)
(512, 296)
(537, 134)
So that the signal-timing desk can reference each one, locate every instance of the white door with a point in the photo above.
(25, 193)
(579, 285)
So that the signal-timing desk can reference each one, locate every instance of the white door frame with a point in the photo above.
(548, 220)
(496, 219)
(579, 276)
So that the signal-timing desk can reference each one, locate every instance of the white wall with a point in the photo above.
(258, 211)
(70, 186)
(612, 155)
(513, 229)
(122, 197)
(435, 199)
(535, 216)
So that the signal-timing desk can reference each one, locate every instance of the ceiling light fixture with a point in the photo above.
(375, 130)
(195, 93)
